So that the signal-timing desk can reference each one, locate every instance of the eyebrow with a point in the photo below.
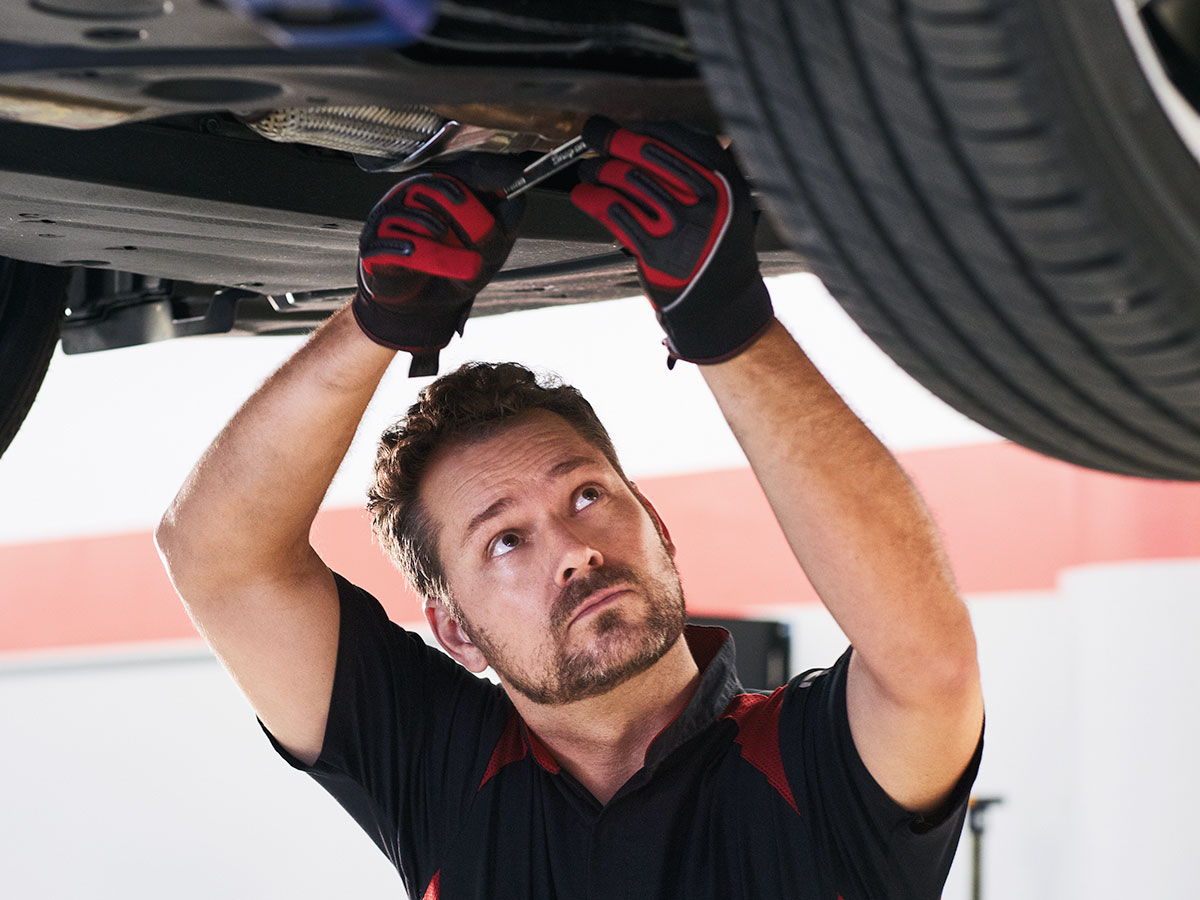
(558, 470)
(570, 464)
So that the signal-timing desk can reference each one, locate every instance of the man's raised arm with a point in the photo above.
(851, 516)
(236, 538)
(864, 538)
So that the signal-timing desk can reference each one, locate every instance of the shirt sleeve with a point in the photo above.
(409, 735)
(876, 848)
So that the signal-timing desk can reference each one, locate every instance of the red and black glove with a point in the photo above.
(676, 200)
(427, 248)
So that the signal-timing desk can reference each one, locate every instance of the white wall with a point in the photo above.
(137, 776)
(1136, 783)
(131, 779)
(1092, 733)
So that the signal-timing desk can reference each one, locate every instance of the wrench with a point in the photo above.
(545, 166)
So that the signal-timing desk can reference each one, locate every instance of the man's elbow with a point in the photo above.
(207, 555)
(171, 545)
(950, 673)
(957, 675)
(164, 533)
(937, 672)
(182, 549)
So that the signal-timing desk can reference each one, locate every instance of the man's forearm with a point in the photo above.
(246, 508)
(852, 517)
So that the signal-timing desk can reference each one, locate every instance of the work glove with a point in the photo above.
(675, 199)
(427, 248)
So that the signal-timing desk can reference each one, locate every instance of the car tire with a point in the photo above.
(31, 305)
(995, 192)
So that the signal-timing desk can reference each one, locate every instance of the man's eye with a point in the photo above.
(586, 497)
(505, 542)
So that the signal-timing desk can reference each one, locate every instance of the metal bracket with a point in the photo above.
(146, 322)
(437, 143)
(308, 301)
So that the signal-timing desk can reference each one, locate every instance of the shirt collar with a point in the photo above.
(712, 648)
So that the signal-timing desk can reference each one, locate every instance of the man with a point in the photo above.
(619, 757)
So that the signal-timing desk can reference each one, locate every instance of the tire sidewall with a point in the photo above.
(32, 298)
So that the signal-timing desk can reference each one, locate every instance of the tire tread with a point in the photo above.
(926, 183)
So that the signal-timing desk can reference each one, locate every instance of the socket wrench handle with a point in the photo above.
(545, 166)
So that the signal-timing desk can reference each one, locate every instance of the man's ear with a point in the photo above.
(453, 638)
(659, 524)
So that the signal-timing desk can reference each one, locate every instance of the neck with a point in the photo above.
(602, 740)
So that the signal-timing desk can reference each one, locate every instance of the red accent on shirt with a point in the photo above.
(509, 748)
(544, 757)
(757, 718)
(704, 644)
(433, 892)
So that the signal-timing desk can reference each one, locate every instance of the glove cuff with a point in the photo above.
(714, 334)
(376, 319)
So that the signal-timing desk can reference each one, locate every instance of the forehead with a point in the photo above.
(534, 450)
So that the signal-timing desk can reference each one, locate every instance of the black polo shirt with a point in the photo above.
(745, 795)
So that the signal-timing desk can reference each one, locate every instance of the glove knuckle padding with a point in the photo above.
(654, 221)
(687, 182)
(676, 200)
(460, 208)
(428, 256)
(411, 221)
(426, 250)
(611, 209)
(664, 208)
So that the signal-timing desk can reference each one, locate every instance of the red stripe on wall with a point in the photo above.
(1012, 521)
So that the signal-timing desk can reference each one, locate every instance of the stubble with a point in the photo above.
(622, 642)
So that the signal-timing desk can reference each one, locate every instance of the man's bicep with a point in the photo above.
(917, 750)
(278, 639)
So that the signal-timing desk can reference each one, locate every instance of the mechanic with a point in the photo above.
(618, 756)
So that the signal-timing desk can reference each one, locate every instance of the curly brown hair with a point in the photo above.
(474, 401)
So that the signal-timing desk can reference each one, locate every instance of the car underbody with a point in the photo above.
(185, 219)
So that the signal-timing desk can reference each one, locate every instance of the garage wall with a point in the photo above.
(1091, 734)
(142, 774)
(140, 771)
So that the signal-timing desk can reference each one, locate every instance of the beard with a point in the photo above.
(622, 643)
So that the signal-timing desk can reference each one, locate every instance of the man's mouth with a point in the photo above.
(598, 586)
(601, 600)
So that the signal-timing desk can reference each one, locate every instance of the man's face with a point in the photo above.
(563, 582)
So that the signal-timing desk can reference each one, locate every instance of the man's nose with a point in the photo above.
(576, 553)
